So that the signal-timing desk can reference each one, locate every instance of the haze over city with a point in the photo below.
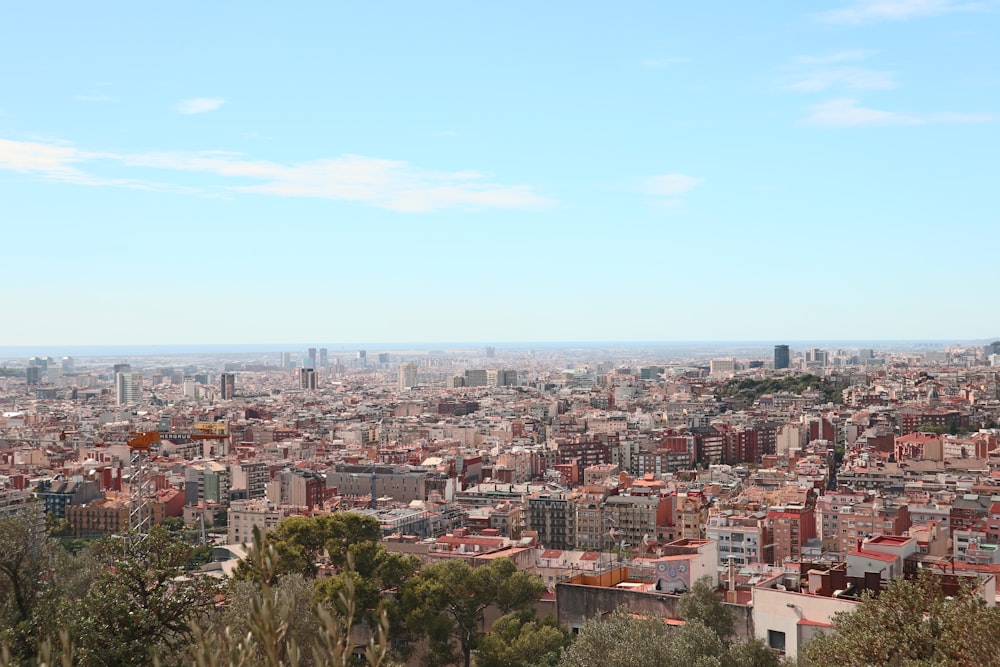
(225, 173)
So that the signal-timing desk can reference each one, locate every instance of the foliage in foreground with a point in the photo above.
(446, 604)
(522, 640)
(270, 639)
(126, 603)
(625, 640)
(911, 624)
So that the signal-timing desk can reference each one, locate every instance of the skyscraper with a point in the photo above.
(307, 379)
(782, 357)
(311, 358)
(227, 385)
(286, 359)
(323, 357)
(407, 375)
(127, 385)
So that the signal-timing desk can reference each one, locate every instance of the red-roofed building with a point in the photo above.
(790, 528)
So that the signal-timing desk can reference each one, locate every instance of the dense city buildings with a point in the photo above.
(864, 463)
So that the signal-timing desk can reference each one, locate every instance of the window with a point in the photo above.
(776, 640)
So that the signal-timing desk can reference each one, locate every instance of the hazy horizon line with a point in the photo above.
(99, 349)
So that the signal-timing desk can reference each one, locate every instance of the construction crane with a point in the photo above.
(138, 506)
(141, 445)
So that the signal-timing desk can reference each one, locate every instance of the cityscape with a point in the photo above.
(798, 481)
(520, 334)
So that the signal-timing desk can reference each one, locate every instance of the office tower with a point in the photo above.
(817, 357)
(307, 379)
(491, 352)
(722, 366)
(67, 364)
(127, 385)
(323, 357)
(33, 374)
(362, 358)
(476, 377)
(286, 359)
(227, 385)
(782, 357)
(407, 376)
(383, 357)
(310, 361)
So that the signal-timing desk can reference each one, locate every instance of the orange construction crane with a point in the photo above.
(141, 445)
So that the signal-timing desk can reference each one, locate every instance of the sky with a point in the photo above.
(212, 173)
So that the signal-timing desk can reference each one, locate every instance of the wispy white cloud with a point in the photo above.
(873, 11)
(834, 58)
(812, 74)
(94, 97)
(849, 113)
(662, 63)
(849, 78)
(671, 185)
(389, 184)
(668, 190)
(199, 105)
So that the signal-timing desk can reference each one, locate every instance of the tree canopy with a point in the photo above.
(623, 639)
(748, 390)
(446, 603)
(143, 603)
(912, 623)
(522, 640)
(302, 541)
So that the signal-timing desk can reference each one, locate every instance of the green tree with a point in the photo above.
(625, 640)
(446, 603)
(932, 428)
(703, 604)
(374, 570)
(912, 623)
(57, 527)
(275, 626)
(143, 603)
(301, 541)
(27, 563)
(521, 640)
(23, 554)
(620, 640)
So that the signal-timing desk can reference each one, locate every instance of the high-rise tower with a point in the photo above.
(127, 385)
(227, 385)
(782, 357)
(407, 376)
(307, 379)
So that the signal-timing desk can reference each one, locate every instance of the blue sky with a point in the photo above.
(450, 171)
